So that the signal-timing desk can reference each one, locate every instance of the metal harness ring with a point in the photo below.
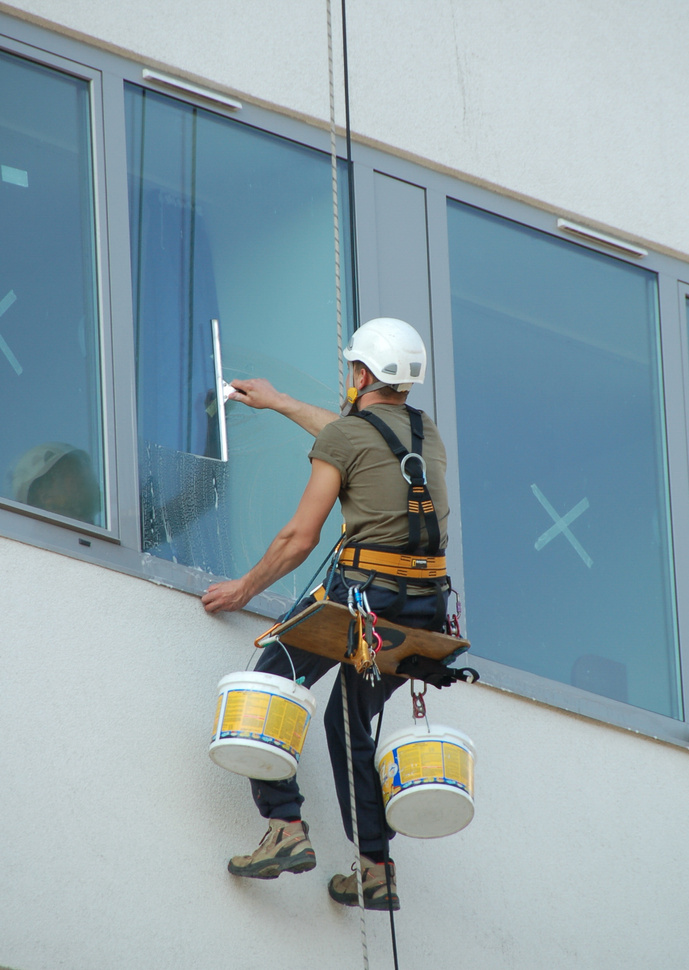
(403, 463)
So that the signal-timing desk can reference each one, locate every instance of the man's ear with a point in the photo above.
(363, 377)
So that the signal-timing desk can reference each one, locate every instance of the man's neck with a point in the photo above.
(375, 397)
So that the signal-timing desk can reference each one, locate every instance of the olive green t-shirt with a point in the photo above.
(374, 492)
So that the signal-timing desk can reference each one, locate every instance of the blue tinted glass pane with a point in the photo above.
(231, 223)
(51, 450)
(565, 521)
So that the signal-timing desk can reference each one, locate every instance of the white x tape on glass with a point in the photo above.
(561, 525)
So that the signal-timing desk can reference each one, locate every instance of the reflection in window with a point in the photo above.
(51, 448)
(564, 494)
(231, 223)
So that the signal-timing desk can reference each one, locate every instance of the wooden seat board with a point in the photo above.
(322, 628)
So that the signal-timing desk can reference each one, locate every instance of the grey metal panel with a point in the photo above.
(443, 377)
(402, 263)
(402, 251)
(682, 346)
(367, 247)
(578, 701)
(675, 357)
(100, 153)
(124, 370)
(673, 383)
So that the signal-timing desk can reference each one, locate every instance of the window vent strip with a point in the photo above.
(584, 232)
(180, 85)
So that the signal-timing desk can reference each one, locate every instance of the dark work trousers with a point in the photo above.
(282, 799)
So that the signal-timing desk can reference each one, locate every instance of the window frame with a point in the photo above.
(93, 77)
(441, 186)
(673, 383)
(118, 547)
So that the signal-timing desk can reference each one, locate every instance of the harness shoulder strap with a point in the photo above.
(391, 438)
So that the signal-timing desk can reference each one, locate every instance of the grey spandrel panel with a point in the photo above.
(402, 264)
(565, 508)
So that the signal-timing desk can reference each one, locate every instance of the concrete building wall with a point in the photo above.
(576, 105)
(116, 825)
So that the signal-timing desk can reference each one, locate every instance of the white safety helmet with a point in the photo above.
(392, 350)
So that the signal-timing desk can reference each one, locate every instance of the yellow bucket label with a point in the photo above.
(286, 722)
(245, 713)
(424, 763)
(217, 715)
(260, 716)
(420, 762)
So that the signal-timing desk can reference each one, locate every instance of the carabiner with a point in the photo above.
(351, 592)
(359, 597)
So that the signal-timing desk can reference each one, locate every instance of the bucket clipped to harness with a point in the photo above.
(427, 777)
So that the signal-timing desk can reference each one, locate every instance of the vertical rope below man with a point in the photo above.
(338, 305)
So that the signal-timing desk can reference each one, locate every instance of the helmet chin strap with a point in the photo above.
(353, 394)
(348, 403)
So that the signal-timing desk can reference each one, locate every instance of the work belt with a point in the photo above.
(393, 563)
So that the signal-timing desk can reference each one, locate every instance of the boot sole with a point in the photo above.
(272, 868)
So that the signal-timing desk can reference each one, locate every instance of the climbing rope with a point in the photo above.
(336, 213)
(338, 308)
(355, 826)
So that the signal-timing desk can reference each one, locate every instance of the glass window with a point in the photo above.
(227, 223)
(51, 447)
(565, 512)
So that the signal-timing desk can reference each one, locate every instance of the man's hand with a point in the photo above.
(230, 595)
(257, 392)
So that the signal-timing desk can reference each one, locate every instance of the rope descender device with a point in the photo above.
(363, 641)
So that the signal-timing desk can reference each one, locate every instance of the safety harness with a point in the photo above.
(413, 563)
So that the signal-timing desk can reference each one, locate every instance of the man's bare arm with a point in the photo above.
(259, 393)
(289, 548)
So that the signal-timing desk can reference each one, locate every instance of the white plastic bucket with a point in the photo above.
(427, 776)
(261, 722)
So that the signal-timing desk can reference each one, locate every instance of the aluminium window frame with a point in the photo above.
(673, 381)
(93, 78)
(119, 547)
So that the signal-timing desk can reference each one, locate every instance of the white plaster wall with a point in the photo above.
(117, 826)
(578, 105)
